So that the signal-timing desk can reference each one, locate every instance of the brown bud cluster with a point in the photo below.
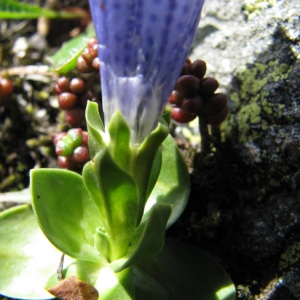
(72, 98)
(73, 94)
(195, 94)
(89, 61)
(72, 149)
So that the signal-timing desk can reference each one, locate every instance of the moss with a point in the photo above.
(251, 101)
(267, 106)
(252, 8)
(235, 98)
(290, 257)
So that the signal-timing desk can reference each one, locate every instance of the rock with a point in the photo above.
(252, 181)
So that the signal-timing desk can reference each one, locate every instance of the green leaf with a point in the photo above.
(90, 180)
(143, 161)
(65, 59)
(119, 145)
(148, 239)
(173, 183)
(110, 285)
(102, 242)
(123, 288)
(69, 269)
(119, 197)
(65, 212)
(10, 9)
(155, 171)
(27, 258)
(182, 271)
(95, 128)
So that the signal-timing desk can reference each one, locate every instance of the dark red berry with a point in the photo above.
(6, 87)
(87, 56)
(91, 42)
(192, 105)
(215, 104)
(65, 162)
(96, 63)
(179, 115)
(218, 118)
(81, 154)
(187, 85)
(67, 100)
(56, 89)
(74, 116)
(63, 84)
(195, 95)
(83, 66)
(175, 98)
(84, 138)
(93, 50)
(58, 137)
(186, 67)
(88, 95)
(185, 70)
(198, 68)
(208, 86)
(77, 86)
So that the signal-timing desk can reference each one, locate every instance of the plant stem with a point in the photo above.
(216, 134)
(203, 128)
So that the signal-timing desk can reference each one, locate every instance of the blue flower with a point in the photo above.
(142, 47)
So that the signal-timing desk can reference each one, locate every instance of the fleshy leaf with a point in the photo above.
(95, 127)
(90, 180)
(109, 284)
(148, 239)
(69, 269)
(120, 199)
(102, 242)
(10, 9)
(155, 171)
(65, 59)
(182, 271)
(119, 144)
(179, 271)
(173, 183)
(27, 258)
(143, 161)
(65, 212)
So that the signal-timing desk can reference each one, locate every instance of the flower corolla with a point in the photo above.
(142, 47)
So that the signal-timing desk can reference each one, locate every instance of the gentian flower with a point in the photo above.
(142, 47)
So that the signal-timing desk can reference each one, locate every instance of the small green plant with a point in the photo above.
(109, 222)
(10, 9)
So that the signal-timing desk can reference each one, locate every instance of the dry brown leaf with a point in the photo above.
(72, 288)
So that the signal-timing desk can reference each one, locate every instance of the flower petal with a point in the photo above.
(142, 47)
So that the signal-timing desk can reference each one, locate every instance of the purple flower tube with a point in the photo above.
(142, 47)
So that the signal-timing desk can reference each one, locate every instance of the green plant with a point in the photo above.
(10, 9)
(110, 221)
